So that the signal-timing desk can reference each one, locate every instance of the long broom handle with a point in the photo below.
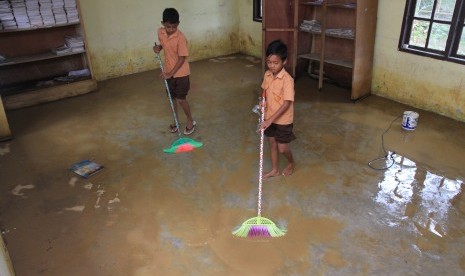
(260, 172)
(169, 94)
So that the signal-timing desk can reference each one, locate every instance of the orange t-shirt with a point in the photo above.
(174, 46)
(277, 90)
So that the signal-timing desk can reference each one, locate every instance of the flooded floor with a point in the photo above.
(347, 209)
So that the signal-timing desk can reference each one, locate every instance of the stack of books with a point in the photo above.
(46, 12)
(71, 11)
(313, 26)
(7, 19)
(19, 11)
(32, 8)
(342, 32)
(58, 8)
(27, 14)
(75, 43)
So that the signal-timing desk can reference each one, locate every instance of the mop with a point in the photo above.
(259, 226)
(182, 144)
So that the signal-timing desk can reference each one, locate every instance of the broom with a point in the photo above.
(182, 144)
(259, 226)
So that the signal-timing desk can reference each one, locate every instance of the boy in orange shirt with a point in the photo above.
(278, 88)
(177, 70)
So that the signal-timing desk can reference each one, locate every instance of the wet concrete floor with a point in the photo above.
(150, 213)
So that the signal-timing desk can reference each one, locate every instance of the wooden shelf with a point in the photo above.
(49, 94)
(338, 62)
(341, 42)
(44, 56)
(39, 28)
(32, 74)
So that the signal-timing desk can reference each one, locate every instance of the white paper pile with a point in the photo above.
(343, 32)
(19, 11)
(2, 59)
(79, 73)
(311, 26)
(58, 8)
(62, 50)
(32, 8)
(71, 11)
(75, 43)
(45, 8)
(7, 18)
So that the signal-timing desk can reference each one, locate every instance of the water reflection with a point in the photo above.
(410, 192)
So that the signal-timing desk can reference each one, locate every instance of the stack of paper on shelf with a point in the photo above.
(19, 11)
(311, 26)
(58, 8)
(71, 11)
(62, 50)
(6, 16)
(75, 42)
(32, 8)
(3, 59)
(46, 12)
(342, 32)
(79, 73)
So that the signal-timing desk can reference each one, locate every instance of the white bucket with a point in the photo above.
(410, 120)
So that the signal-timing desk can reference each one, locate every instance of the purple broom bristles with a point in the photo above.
(259, 231)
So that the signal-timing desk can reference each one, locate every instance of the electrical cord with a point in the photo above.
(387, 156)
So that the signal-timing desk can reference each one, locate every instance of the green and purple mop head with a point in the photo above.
(183, 145)
(257, 227)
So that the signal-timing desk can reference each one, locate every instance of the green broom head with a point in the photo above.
(257, 227)
(183, 145)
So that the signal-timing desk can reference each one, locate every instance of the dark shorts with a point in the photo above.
(281, 133)
(179, 87)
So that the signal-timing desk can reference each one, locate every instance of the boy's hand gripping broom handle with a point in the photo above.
(169, 94)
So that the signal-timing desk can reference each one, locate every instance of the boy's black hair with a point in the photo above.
(171, 15)
(277, 47)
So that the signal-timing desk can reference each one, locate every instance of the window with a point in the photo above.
(434, 28)
(257, 10)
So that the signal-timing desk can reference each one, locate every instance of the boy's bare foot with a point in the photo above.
(288, 170)
(271, 174)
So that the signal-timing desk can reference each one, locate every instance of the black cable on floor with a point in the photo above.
(386, 156)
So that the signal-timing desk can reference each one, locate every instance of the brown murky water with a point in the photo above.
(149, 213)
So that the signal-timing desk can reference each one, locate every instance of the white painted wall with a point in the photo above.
(120, 33)
(419, 81)
(250, 32)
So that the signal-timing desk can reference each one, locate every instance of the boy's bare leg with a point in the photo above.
(187, 110)
(286, 151)
(274, 158)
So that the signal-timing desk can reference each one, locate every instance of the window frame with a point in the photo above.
(453, 39)
(257, 10)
